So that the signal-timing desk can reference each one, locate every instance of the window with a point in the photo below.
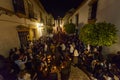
(40, 16)
(19, 6)
(77, 19)
(70, 20)
(93, 10)
(30, 10)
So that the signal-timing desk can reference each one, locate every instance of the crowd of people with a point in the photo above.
(46, 58)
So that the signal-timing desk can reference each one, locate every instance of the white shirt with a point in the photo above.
(63, 47)
(21, 63)
(71, 49)
(76, 53)
(45, 48)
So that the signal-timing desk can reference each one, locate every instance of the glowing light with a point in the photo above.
(39, 24)
(40, 29)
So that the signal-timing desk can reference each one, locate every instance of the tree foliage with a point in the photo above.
(69, 28)
(49, 29)
(99, 34)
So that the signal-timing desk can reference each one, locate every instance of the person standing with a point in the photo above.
(71, 49)
(75, 58)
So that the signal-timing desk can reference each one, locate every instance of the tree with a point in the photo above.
(49, 29)
(69, 28)
(99, 34)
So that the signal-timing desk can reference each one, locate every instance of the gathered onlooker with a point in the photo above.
(65, 71)
(107, 77)
(47, 56)
(53, 75)
(45, 47)
(6, 70)
(20, 61)
(24, 76)
(75, 58)
(71, 50)
(93, 63)
(11, 54)
(63, 47)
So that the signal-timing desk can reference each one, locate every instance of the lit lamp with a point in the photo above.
(39, 25)
(39, 28)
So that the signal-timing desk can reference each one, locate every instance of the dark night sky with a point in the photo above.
(59, 7)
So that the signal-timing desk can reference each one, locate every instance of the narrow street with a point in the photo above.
(77, 74)
(59, 40)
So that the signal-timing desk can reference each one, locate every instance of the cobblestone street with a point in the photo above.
(77, 74)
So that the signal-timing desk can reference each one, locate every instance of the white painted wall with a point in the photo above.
(7, 4)
(8, 33)
(109, 11)
(83, 14)
(8, 37)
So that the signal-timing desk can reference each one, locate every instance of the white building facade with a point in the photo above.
(20, 21)
(91, 11)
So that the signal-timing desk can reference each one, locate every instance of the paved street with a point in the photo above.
(77, 74)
